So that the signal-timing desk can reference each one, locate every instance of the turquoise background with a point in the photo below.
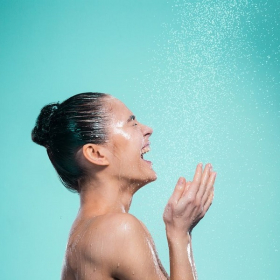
(204, 74)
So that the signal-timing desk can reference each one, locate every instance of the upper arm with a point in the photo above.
(128, 251)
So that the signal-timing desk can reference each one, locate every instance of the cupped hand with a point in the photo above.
(189, 202)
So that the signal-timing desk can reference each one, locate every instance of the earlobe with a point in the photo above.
(95, 154)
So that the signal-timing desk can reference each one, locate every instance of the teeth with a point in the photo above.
(145, 150)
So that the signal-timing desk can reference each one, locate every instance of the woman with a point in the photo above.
(97, 147)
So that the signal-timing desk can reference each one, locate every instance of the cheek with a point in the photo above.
(122, 133)
(123, 146)
(127, 143)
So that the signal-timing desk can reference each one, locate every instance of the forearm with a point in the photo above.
(181, 259)
(193, 263)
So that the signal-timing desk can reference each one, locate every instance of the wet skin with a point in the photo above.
(105, 241)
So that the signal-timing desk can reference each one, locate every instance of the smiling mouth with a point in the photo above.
(145, 150)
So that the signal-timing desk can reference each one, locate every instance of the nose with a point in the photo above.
(147, 131)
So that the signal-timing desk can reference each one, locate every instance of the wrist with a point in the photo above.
(180, 239)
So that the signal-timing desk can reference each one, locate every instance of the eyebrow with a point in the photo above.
(131, 118)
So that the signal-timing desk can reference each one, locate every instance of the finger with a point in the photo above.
(184, 199)
(209, 187)
(179, 190)
(208, 202)
(211, 171)
(187, 186)
(196, 180)
(204, 179)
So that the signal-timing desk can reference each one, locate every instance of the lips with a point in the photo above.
(146, 148)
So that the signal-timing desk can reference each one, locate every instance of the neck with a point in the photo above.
(98, 197)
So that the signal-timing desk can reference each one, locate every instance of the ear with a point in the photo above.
(95, 154)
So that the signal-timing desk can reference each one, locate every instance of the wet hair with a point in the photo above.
(64, 128)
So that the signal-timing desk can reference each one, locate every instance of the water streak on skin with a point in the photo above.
(154, 258)
(190, 260)
(118, 130)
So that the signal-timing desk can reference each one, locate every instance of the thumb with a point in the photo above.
(179, 190)
(187, 186)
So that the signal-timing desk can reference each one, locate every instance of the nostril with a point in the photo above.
(147, 131)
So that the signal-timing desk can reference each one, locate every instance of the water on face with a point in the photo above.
(118, 129)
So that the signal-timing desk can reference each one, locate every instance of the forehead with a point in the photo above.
(118, 109)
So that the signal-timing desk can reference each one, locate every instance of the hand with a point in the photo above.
(189, 202)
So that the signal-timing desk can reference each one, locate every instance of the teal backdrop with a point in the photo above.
(204, 74)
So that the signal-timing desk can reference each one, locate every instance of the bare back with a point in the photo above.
(111, 246)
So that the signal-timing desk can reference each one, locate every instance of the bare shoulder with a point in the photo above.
(118, 221)
(119, 224)
(112, 226)
(103, 237)
(117, 244)
(113, 232)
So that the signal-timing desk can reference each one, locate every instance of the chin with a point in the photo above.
(154, 177)
(150, 178)
(143, 176)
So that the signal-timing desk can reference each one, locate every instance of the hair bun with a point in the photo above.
(40, 133)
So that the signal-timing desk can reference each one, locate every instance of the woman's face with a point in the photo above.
(128, 142)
